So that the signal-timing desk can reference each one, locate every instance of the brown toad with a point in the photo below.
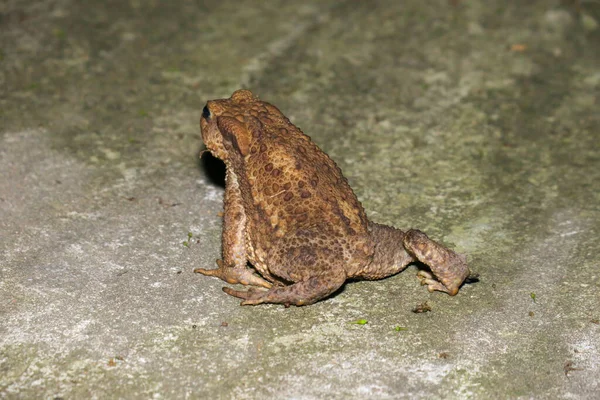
(290, 212)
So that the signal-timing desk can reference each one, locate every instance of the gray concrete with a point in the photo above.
(478, 123)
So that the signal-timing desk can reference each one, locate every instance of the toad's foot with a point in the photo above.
(241, 275)
(449, 268)
(299, 294)
(429, 280)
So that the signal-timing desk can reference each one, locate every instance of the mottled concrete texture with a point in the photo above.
(475, 121)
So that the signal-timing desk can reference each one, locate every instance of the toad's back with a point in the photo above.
(286, 181)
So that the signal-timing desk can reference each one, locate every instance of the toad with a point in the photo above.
(290, 212)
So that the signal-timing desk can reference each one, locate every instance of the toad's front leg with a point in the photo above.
(233, 269)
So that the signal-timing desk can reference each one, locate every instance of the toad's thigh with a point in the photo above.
(297, 259)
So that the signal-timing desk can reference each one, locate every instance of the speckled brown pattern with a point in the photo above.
(290, 212)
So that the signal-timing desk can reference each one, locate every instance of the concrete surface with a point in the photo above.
(476, 121)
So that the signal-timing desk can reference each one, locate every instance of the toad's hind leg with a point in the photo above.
(313, 264)
(300, 293)
(448, 267)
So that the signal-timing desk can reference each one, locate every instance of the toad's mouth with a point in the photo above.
(204, 151)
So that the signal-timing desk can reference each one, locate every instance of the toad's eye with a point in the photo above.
(206, 113)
